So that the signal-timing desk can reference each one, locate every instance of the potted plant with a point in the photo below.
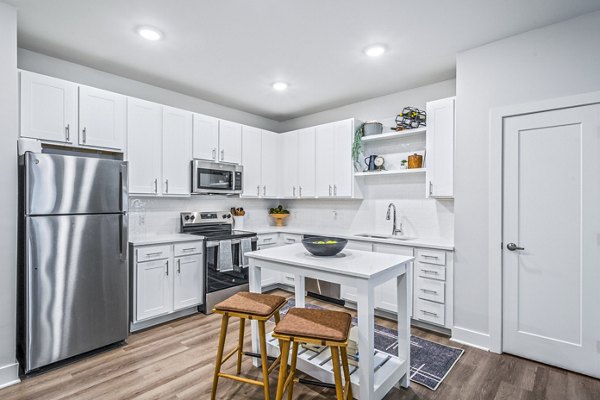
(403, 164)
(279, 214)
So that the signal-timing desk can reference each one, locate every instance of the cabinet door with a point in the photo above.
(230, 142)
(289, 164)
(386, 294)
(270, 166)
(268, 276)
(154, 289)
(343, 174)
(144, 132)
(251, 160)
(189, 282)
(306, 163)
(440, 148)
(101, 118)
(48, 108)
(324, 163)
(206, 137)
(176, 151)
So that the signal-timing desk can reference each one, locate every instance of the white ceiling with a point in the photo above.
(230, 51)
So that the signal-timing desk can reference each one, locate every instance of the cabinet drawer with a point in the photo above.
(148, 253)
(291, 239)
(288, 279)
(186, 249)
(430, 271)
(437, 257)
(430, 312)
(430, 289)
(270, 238)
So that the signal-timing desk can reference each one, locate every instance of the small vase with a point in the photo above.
(238, 222)
(279, 218)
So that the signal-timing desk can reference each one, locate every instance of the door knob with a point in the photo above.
(513, 247)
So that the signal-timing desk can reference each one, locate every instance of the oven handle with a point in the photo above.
(215, 243)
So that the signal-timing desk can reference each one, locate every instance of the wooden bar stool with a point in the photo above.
(252, 306)
(319, 327)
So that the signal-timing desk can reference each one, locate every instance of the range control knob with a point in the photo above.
(192, 218)
(187, 217)
(228, 215)
(224, 216)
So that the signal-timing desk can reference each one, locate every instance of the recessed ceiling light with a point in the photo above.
(375, 50)
(280, 86)
(149, 33)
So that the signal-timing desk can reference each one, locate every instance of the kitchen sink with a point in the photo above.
(392, 237)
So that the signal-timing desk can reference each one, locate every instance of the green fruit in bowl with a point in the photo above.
(331, 242)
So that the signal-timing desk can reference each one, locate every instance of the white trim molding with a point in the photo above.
(9, 375)
(471, 338)
(495, 208)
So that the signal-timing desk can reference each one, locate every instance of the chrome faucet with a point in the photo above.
(395, 229)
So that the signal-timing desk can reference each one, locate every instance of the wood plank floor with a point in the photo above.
(176, 361)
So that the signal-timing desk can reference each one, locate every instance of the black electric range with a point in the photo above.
(225, 272)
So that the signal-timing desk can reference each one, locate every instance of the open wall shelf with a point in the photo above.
(394, 135)
(392, 172)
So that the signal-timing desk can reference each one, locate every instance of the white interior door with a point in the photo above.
(551, 287)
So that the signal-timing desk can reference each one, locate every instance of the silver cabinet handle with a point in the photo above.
(294, 191)
(429, 291)
(84, 136)
(330, 190)
(166, 186)
(265, 190)
(155, 185)
(167, 267)
(214, 154)
(258, 190)
(335, 190)
(299, 191)
(68, 132)
(179, 266)
(426, 256)
(430, 188)
(222, 155)
(154, 254)
(188, 250)
(429, 313)
(429, 271)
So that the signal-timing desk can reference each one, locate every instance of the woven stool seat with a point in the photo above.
(315, 324)
(251, 303)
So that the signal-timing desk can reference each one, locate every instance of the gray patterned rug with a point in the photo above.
(430, 362)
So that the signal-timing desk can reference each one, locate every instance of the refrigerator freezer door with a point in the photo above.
(57, 184)
(76, 286)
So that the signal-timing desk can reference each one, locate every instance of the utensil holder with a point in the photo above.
(238, 221)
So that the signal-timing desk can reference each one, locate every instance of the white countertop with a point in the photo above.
(433, 243)
(361, 264)
(141, 240)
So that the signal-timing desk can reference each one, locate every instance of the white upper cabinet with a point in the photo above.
(144, 144)
(251, 160)
(102, 120)
(48, 108)
(290, 152)
(206, 137)
(230, 142)
(271, 164)
(306, 162)
(324, 160)
(343, 172)
(440, 148)
(176, 151)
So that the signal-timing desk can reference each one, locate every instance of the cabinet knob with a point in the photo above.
(68, 132)
(214, 154)
(84, 134)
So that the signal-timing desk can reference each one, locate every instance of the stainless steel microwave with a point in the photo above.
(209, 177)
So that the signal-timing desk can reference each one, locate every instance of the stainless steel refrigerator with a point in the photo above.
(73, 272)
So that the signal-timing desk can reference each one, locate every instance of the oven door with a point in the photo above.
(216, 178)
(217, 280)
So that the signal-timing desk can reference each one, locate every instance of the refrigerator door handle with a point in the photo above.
(124, 221)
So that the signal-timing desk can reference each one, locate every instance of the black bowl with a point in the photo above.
(324, 249)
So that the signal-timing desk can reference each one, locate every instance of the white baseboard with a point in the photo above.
(471, 338)
(9, 375)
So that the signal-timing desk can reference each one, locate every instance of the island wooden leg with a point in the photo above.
(254, 272)
(300, 291)
(404, 322)
(366, 339)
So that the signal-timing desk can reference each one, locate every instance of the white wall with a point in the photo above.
(8, 195)
(553, 61)
(58, 68)
(377, 108)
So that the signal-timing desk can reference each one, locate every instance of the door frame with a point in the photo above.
(495, 205)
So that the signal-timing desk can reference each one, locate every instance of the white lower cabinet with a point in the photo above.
(164, 281)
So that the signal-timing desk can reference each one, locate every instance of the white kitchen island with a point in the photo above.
(378, 372)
